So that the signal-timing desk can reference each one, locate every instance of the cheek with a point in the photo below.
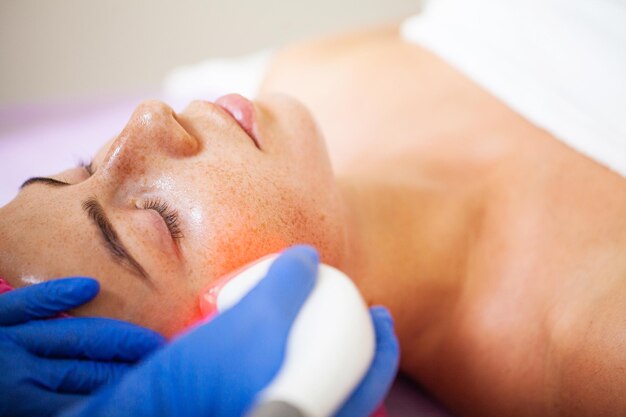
(252, 222)
(247, 208)
(241, 228)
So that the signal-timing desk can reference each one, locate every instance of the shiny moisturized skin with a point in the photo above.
(233, 203)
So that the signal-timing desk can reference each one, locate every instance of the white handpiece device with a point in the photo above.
(329, 349)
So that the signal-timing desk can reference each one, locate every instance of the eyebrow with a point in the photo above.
(97, 215)
(43, 180)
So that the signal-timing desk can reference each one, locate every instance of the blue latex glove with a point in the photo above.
(376, 383)
(217, 369)
(48, 365)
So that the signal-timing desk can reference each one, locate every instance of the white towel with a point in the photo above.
(559, 63)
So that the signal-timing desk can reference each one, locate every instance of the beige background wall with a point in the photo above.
(60, 49)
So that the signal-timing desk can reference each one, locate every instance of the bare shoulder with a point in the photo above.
(542, 308)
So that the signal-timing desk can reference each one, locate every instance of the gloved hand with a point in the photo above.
(48, 365)
(217, 369)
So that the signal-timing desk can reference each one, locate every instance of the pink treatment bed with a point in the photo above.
(42, 139)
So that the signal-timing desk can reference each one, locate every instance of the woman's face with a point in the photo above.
(171, 204)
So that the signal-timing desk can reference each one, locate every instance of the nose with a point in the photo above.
(152, 134)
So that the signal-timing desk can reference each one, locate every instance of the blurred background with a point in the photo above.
(70, 49)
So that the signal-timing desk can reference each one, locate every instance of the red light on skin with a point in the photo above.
(208, 297)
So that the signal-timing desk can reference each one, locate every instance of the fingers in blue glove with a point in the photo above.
(288, 283)
(77, 376)
(87, 338)
(48, 365)
(376, 383)
(46, 299)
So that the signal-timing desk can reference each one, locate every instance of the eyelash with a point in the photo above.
(170, 216)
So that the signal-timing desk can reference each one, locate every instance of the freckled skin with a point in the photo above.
(236, 203)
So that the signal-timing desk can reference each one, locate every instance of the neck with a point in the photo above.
(406, 247)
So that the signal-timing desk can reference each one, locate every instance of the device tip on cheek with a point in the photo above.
(208, 298)
(208, 305)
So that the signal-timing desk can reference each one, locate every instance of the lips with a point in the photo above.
(242, 110)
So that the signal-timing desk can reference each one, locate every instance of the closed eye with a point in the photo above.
(170, 216)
